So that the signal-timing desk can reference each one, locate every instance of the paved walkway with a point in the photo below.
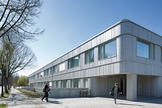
(18, 100)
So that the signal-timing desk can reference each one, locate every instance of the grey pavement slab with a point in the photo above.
(18, 100)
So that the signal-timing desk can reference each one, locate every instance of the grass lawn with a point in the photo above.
(3, 106)
(31, 93)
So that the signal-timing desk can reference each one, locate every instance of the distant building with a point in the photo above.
(126, 53)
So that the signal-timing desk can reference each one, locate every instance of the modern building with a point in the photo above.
(126, 53)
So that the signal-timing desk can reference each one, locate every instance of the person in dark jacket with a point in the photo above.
(46, 89)
(115, 91)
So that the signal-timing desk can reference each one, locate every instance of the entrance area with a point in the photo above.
(102, 85)
(131, 85)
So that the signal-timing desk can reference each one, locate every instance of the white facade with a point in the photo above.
(137, 72)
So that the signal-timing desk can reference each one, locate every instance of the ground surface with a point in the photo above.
(18, 100)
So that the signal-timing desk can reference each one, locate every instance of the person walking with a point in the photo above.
(46, 89)
(115, 91)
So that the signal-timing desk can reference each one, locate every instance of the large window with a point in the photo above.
(73, 62)
(76, 83)
(57, 84)
(46, 72)
(89, 56)
(143, 49)
(107, 50)
(62, 66)
(85, 82)
(63, 83)
(52, 70)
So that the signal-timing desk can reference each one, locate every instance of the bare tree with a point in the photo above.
(17, 16)
(3, 63)
(15, 56)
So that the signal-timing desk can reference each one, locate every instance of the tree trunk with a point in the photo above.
(5, 82)
(2, 94)
(5, 85)
(8, 84)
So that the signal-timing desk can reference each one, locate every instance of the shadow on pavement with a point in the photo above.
(150, 100)
(145, 99)
(128, 104)
(54, 102)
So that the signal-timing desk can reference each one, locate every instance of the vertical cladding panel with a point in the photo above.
(81, 60)
(112, 68)
(114, 59)
(119, 48)
(102, 70)
(94, 42)
(109, 69)
(70, 55)
(124, 47)
(89, 45)
(117, 68)
(126, 27)
(107, 35)
(115, 31)
(105, 70)
(157, 53)
(86, 73)
(96, 55)
(82, 48)
(98, 40)
(147, 86)
(97, 71)
(150, 36)
(102, 38)
(75, 52)
(93, 71)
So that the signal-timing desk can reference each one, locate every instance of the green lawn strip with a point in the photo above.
(3, 106)
(31, 93)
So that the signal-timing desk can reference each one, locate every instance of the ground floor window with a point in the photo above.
(57, 84)
(85, 82)
(63, 83)
(76, 83)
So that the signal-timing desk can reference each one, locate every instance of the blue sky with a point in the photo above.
(68, 23)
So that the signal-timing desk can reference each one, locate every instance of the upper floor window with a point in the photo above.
(143, 49)
(89, 56)
(33, 77)
(46, 72)
(107, 50)
(38, 75)
(52, 70)
(73, 62)
(41, 74)
(62, 66)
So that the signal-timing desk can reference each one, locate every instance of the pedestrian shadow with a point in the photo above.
(128, 104)
(54, 102)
